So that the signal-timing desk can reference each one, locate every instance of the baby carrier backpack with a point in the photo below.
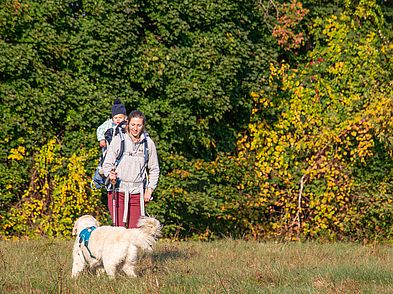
(99, 180)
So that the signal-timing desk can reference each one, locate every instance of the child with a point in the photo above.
(119, 114)
(104, 135)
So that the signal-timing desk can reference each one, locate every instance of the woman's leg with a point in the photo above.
(134, 212)
(116, 208)
(134, 209)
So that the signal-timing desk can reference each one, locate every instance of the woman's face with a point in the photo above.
(135, 127)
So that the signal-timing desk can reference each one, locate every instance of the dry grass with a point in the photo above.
(227, 266)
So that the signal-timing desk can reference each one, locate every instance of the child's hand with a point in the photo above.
(102, 143)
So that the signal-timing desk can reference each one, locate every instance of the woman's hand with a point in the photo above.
(113, 176)
(147, 194)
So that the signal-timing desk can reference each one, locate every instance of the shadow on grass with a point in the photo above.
(159, 260)
(168, 252)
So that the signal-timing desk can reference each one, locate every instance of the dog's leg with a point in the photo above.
(128, 269)
(110, 269)
(78, 264)
(130, 261)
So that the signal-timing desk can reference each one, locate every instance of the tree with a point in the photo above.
(188, 66)
(321, 122)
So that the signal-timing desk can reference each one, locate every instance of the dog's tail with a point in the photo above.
(150, 226)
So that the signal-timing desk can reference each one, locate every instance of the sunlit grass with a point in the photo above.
(226, 266)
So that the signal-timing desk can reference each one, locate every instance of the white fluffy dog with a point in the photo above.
(109, 248)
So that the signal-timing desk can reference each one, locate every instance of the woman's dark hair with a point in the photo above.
(137, 113)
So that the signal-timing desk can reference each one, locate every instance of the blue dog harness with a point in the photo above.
(84, 237)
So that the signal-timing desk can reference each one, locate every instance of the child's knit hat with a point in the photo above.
(118, 108)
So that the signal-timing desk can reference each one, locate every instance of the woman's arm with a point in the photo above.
(153, 167)
(113, 150)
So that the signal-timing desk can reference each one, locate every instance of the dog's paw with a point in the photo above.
(131, 275)
(100, 271)
(74, 274)
(129, 271)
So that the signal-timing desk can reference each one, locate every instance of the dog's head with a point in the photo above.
(150, 226)
(84, 222)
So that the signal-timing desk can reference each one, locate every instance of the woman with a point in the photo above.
(135, 176)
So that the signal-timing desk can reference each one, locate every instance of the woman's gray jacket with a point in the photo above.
(133, 169)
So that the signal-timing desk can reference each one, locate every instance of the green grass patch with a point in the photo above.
(226, 266)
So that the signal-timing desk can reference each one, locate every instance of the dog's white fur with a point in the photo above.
(113, 248)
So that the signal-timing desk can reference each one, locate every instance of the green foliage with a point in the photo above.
(190, 66)
(372, 213)
(320, 122)
(58, 194)
(203, 200)
(14, 176)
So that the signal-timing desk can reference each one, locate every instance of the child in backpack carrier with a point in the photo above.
(119, 116)
(105, 132)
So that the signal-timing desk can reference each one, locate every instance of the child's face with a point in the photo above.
(118, 118)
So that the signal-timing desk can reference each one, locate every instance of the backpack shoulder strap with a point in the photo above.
(121, 151)
(146, 148)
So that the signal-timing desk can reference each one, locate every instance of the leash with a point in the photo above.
(115, 203)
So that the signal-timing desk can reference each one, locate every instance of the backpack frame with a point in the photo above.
(99, 180)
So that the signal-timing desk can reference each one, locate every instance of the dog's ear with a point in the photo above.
(149, 225)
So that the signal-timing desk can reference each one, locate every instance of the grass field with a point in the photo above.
(226, 266)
